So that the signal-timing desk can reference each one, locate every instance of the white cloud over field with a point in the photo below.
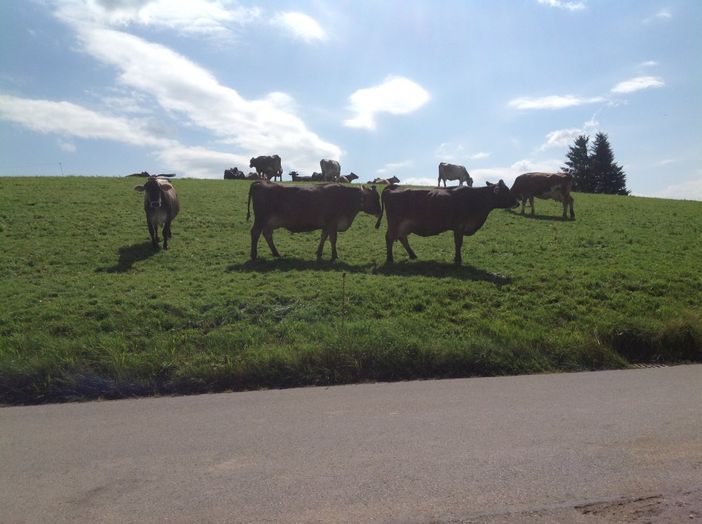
(396, 95)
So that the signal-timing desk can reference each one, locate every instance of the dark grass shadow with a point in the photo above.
(529, 216)
(267, 265)
(408, 268)
(128, 255)
(435, 269)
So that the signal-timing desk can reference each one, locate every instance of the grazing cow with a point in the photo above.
(329, 207)
(331, 170)
(386, 181)
(161, 206)
(234, 174)
(555, 186)
(347, 179)
(267, 166)
(428, 212)
(454, 172)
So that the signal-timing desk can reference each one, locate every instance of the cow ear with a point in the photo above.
(167, 187)
(139, 188)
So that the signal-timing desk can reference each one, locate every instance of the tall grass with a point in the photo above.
(88, 309)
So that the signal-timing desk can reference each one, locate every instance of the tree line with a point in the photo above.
(593, 167)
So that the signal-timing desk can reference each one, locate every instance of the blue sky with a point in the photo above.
(112, 87)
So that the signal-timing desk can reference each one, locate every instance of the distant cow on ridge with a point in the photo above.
(161, 206)
(454, 172)
(267, 166)
(556, 186)
(329, 207)
(386, 181)
(428, 212)
(331, 170)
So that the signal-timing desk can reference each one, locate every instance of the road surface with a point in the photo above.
(607, 446)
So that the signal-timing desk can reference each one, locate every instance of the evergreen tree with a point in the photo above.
(578, 166)
(606, 174)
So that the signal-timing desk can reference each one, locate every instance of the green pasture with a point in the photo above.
(89, 310)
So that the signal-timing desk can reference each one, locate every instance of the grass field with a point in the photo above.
(89, 310)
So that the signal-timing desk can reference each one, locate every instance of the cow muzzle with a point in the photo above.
(154, 203)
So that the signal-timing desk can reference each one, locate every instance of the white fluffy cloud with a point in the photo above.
(185, 92)
(211, 19)
(396, 95)
(564, 4)
(67, 119)
(553, 102)
(688, 190)
(300, 26)
(560, 138)
(454, 152)
(394, 167)
(637, 84)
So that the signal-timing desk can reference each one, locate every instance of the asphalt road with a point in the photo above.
(584, 447)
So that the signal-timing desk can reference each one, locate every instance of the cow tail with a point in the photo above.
(248, 205)
(382, 206)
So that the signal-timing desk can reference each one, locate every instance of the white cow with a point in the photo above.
(454, 172)
(331, 170)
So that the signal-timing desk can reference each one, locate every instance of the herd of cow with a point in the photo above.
(333, 205)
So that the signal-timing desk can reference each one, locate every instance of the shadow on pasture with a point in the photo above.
(429, 268)
(267, 265)
(529, 216)
(128, 255)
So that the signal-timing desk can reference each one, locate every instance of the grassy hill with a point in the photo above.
(88, 309)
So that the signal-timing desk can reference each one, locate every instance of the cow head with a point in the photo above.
(251, 162)
(153, 189)
(504, 198)
(394, 180)
(370, 201)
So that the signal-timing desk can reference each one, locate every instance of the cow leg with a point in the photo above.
(164, 231)
(153, 233)
(570, 203)
(255, 235)
(389, 241)
(320, 247)
(524, 199)
(268, 235)
(332, 241)
(458, 241)
(166, 234)
(531, 204)
(405, 244)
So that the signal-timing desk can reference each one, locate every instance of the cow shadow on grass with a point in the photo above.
(267, 265)
(536, 216)
(409, 268)
(128, 255)
(435, 269)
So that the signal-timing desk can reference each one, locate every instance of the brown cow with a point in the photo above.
(161, 206)
(386, 181)
(428, 212)
(296, 177)
(234, 174)
(347, 179)
(454, 172)
(555, 186)
(267, 167)
(329, 207)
